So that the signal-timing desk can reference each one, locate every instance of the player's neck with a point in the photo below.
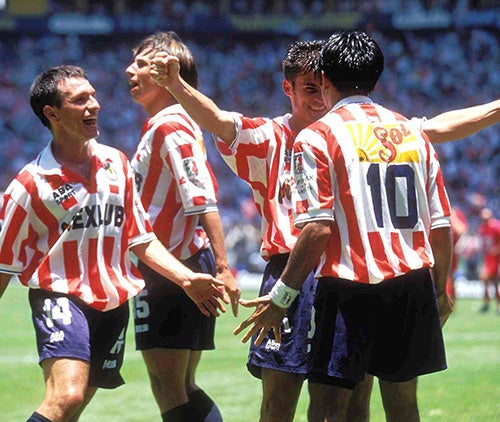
(75, 157)
(154, 107)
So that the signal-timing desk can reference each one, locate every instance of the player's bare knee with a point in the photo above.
(65, 401)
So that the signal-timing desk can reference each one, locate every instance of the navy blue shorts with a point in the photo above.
(164, 315)
(391, 330)
(291, 354)
(65, 327)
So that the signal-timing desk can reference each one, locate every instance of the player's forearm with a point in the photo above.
(305, 256)
(157, 257)
(205, 112)
(4, 282)
(212, 225)
(442, 245)
(457, 124)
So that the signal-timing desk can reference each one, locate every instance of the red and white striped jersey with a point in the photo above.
(63, 233)
(174, 180)
(261, 155)
(368, 169)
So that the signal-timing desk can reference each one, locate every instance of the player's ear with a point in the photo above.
(325, 83)
(50, 113)
(287, 87)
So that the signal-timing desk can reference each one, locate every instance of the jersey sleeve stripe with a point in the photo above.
(11, 231)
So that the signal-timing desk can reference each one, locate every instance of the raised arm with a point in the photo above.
(457, 124)
(165, 70)
(203, 289)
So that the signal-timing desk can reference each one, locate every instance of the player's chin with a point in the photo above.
(92, 132)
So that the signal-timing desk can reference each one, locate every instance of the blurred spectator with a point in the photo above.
(489, 231)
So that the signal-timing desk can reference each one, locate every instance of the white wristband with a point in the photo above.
(283, 295)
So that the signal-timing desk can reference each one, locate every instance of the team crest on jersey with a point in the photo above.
(110, 171)
(64, 195)
(192, 172)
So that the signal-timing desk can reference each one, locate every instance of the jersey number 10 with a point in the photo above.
(399, 189)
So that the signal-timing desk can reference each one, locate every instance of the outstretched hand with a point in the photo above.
(267, 316)
(207, 292)
(165, 69)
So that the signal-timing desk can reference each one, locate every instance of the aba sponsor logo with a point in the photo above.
(109, 364)
(64, 195)
(56, 336)
(273, 345)
(96, 216)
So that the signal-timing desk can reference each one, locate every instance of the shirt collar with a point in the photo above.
(47, 163)
(172, 109)
(353, 99)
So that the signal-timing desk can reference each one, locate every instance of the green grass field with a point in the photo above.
(469, 391)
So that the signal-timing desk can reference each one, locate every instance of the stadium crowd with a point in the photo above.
(427, 72)
(251, 7)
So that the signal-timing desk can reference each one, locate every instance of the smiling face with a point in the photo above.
(306, 99)
(143, 89)
(76, 117)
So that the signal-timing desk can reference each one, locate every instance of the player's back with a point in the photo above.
(386, 191)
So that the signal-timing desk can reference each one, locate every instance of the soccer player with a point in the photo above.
(373, 211)
(489, 232)
(258, 150)
(70, 221)
(178, 190)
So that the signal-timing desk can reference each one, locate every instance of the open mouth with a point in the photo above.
(91, 121)
(133, 86)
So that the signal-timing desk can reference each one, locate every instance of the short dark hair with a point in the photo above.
(301, 57)
(351, 61)
(45, 88)
(171, 43)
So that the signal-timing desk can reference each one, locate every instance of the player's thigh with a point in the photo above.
(167, 362)
(328, 402)
(280, 385)
(194, 360)
(397, 397)
(362, 393)
(65, 376)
